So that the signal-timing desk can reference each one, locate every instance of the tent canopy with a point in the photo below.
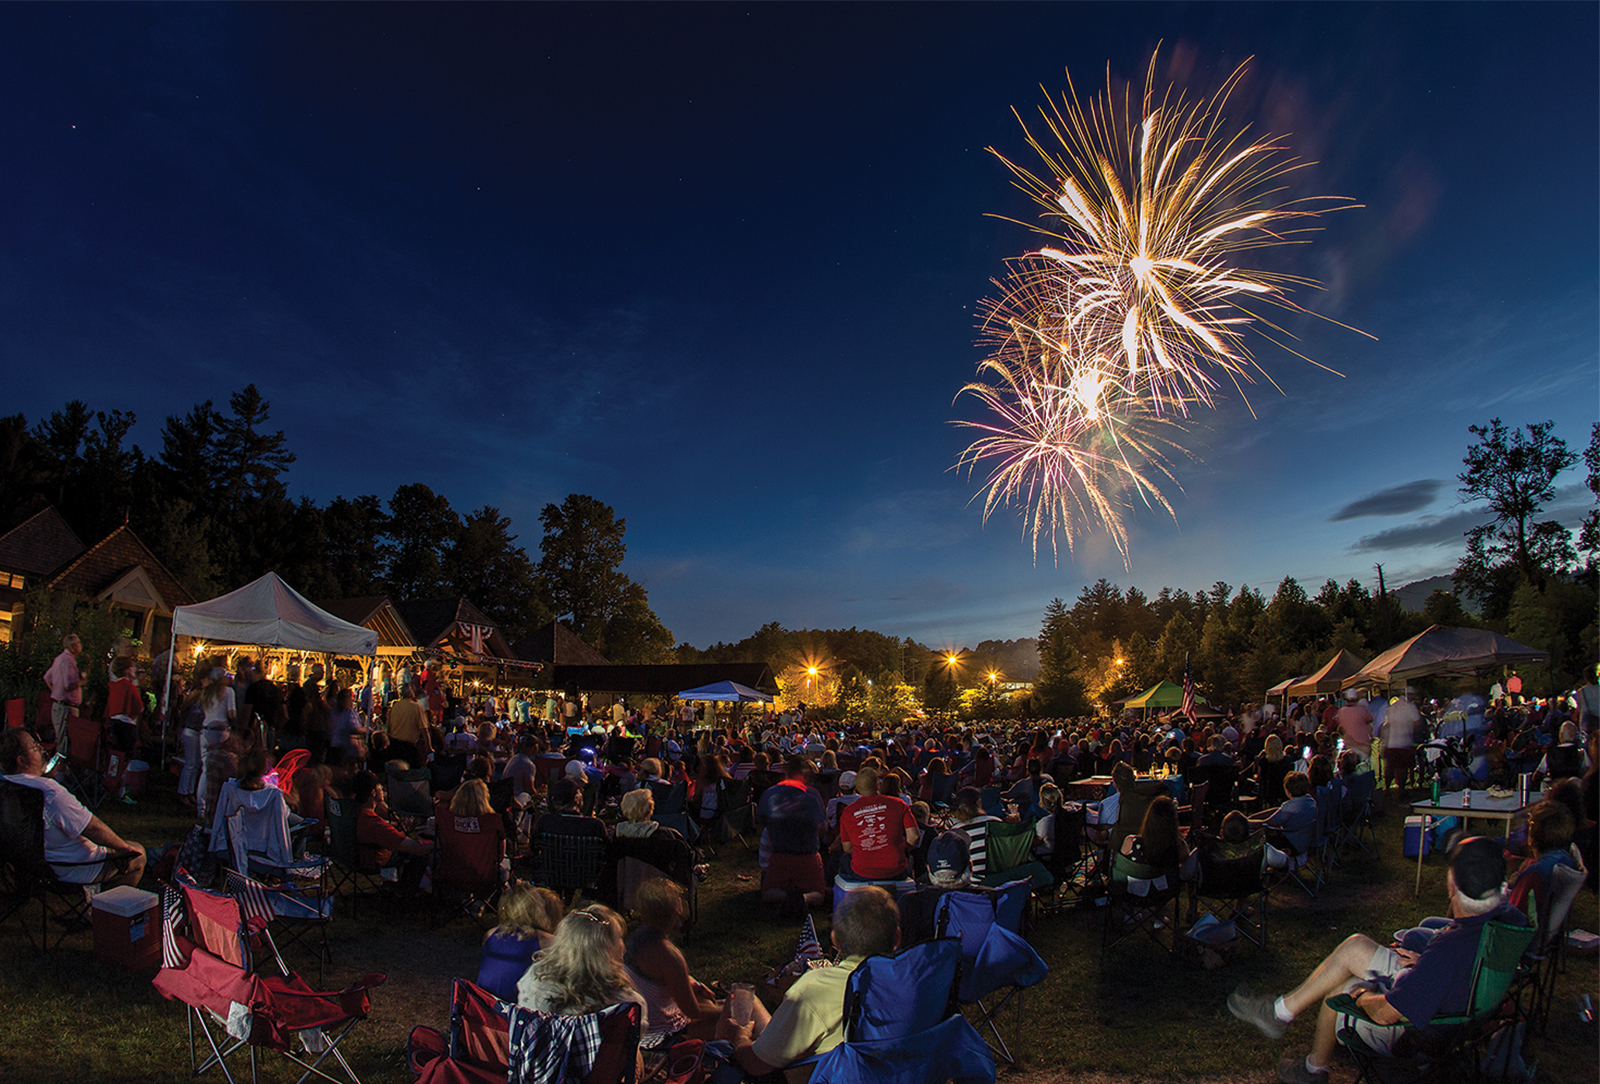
(725, 692)
(1282, 687)
(270, 612)
(1448, 652)
(1163, 694)
(1334, 675)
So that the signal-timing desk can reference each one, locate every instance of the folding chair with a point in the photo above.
(1009, 856)
(1449, 1048)
(1139, 898)
(600, 1048)
(85, 760)
(348, 869)
(411, 794)
(295, 896)
(568, 863)
(996, 963)
(739, 817)
(1233, 886)
(1197, 806)
(1073, 859)
(1355, 815)
(468, 873)
(206, 966)
(477, 1047)
(664, 853)
(900, 1025)
(671, 801)
(1546, 956)
(25, 875)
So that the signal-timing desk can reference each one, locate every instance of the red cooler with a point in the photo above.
(127, 928)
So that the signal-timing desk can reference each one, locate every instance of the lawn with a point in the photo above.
(1133, 1013)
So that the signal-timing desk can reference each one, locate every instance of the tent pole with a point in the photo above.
(166, 690)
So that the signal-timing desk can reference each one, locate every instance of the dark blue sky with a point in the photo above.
(717, 266)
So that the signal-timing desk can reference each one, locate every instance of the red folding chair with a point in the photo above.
(16, 712)
(206, 965)
(468, 869)
(85, 755)
(477, 1049)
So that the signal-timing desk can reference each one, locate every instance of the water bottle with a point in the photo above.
(1435, 790)
(1466, 795)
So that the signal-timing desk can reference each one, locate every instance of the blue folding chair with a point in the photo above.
(996, 963)
(901, 1024)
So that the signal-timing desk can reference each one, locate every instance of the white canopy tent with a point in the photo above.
(269, 613)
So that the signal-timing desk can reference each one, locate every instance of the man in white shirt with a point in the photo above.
(77, 844)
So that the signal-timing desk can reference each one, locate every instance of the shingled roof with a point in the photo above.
(556, 645)
(377, 613)
(39, 545)
(114, 556)
(432, 619)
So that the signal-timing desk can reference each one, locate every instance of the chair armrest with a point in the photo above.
(1344, 1003)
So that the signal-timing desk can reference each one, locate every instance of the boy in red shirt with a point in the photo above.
(876, 830)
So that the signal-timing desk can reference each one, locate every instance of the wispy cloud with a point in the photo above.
(1394, 501)
(1427, 531)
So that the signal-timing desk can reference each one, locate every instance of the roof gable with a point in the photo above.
(557, 645)
(97, 569)
(39, 545)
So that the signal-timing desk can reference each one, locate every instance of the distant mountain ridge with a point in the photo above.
(1414, 596)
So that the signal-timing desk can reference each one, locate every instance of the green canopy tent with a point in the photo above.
(1163, 694)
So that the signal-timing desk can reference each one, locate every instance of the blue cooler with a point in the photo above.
(1413, 836)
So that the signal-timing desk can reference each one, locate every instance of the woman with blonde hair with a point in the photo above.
(218, 704)
(471, 799)
(1272, 767)
(528, 919)
(678, 1005)
(638, 807)
(580, 971)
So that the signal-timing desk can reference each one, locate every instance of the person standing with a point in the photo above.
(1354, 721)
(65, 682)
(1400, 741)
(409, 739)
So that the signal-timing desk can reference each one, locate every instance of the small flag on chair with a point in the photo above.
(171, 919)
(252, 897)
(1188, 693)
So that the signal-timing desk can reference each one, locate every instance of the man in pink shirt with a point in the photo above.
(1354, 721)
(65, 682)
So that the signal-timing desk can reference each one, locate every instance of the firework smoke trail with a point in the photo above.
(1136, 310)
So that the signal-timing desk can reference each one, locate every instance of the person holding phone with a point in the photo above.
(78, 845)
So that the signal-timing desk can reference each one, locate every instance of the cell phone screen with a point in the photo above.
(51, 766)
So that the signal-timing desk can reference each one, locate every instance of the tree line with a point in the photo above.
(213, 505)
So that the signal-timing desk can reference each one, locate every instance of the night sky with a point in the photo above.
(718, 267)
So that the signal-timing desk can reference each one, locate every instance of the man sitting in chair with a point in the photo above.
(379, 843)
(1393, 986)
(877, 833)
(810, 1019)
(88, 852)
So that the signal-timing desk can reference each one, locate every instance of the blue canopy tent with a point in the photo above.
(726, 692)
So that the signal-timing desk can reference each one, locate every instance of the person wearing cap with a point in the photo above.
(1395, 986)
(847, 796)
(949, 869)
(1354, 721)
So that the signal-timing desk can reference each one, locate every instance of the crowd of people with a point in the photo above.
(873, 824)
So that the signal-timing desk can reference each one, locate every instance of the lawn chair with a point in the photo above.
(26, 876)
(468, 873)
(1355, 816)
(206, 965)
(411, 793)
(477, 1048)
(900, 1026)
(567, 863)
(671, 812)
(1073, 858)
(1010, 856)
(1546, 956)
(1449, 1048)
(997, 965)
(1233, 885)
(739, 817)
(348, 869)
(1139, 899)
(85, 760)
(600, 1048)
(663, 853)
(295, 896)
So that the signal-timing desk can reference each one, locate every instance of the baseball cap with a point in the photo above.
(948, 857)
(847, 781)
(1479, 867)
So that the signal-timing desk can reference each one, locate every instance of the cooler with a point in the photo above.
(127, 928)
(1413, 835)
(137, 778)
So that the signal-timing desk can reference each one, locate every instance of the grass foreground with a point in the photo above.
(1133, 1013)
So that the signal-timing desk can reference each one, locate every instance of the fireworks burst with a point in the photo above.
(1136, 310)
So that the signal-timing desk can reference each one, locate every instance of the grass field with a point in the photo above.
(1134, 1013)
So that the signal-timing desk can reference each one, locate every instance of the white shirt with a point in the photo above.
(65, 818)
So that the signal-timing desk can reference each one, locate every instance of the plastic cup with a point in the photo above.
(741, 1002)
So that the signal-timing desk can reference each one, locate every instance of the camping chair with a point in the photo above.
(600, 1048)
(900, 1025)
(85, 756)
(447, 769)
(991, 800)
(568, 863)
(25, 875)
(671, 800)
(348, 868)
(1010, 856)
(468, 868)
(1197, 806)
(996, 963)
(1139, 900)
(1546, 956)
(282, 773)
(661, 854)
(1449, 1048)
(739, 817)
(1355, 815)
(411, 793)
(206, 965)
(1232, 886)
(295, 896)
(477, 1047)
(1073, 859)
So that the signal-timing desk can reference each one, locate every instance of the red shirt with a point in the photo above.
(875, 828)
(376, 839)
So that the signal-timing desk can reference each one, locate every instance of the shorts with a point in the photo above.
(802, 871)
(1385, 965)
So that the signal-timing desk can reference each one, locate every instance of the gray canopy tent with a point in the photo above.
(1447, 652)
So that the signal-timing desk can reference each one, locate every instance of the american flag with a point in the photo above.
(808, 948)
(171, 919)
(1188, 692)
(252, 897)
